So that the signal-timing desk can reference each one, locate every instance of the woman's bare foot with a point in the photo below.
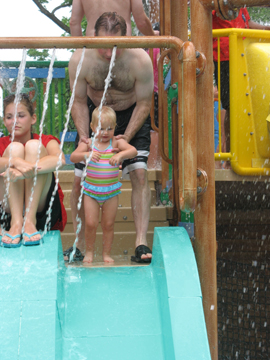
(88, 258)
(14, 231)
(107, 258)
(30, 228)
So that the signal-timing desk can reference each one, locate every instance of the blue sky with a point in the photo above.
(22, 18)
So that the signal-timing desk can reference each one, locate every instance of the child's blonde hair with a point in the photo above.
(108, 116)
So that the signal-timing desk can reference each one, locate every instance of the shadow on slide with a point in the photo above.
(48, 311)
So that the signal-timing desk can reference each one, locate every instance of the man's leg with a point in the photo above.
(140, 202)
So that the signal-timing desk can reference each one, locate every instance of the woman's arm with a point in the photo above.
(49, 162)
(23, 169)
(256, 26)
(4, 161)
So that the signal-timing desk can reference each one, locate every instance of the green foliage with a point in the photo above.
(38, 55)
(260, 14)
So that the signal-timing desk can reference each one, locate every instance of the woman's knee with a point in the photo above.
(33, 147)
(15, 149)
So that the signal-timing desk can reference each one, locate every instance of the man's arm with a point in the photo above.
(76, 18)
(256, 26)
(79, 112)
(144, 85)
(141, 20)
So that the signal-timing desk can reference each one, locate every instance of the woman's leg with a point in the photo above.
(40, 190)
(109, 211)
(91, 210)
(16, 196)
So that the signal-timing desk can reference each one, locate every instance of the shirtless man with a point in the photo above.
(92, 9)
(130, 96)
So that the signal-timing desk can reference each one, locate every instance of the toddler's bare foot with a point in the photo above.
(88, 257)
(107, 258)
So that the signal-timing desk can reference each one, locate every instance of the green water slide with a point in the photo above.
(48, 311)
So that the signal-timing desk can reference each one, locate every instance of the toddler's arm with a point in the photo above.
(127, 151)
(80, 153)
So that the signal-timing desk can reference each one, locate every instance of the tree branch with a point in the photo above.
(60, 7)
(52, 17)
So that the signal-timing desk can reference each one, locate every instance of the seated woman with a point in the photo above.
(21, 155)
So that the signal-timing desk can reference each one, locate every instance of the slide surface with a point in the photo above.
(48, 311)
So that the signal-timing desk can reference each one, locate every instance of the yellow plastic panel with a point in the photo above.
(258, 62)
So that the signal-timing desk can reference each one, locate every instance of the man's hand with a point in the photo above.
(84, 139)
(119, 137)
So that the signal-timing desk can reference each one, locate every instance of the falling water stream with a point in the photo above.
(59, 163)
(41, 125)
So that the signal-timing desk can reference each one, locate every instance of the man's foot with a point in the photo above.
(107, 258)
(89, 255)
(142, 254)
(78, 256)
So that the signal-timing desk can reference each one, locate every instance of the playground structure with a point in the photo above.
(198, 149)
(249, 99)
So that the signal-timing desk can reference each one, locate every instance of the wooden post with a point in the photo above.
(205, 217)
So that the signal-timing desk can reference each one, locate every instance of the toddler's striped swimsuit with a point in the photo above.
(101, 181)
